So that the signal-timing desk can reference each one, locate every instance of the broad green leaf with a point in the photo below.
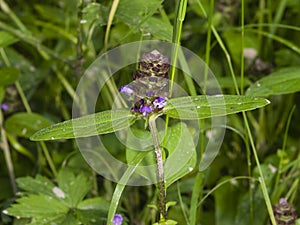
(95, 13)
(37, 185)
(182, 153)
(92, 211)
(8, 76)
(202, 107)
(97, 203)
(6, 39)
(74, 187)
(38, 206)
(282, 82)
(180, 147)
(25, 124)
(94, 124)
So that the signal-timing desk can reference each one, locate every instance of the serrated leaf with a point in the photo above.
(38, 206)
(90, 125)
(26, 124)
(8, 75)
(282, 82)
(6, 39)
(37, 185)
(74, 187)
(202, 107)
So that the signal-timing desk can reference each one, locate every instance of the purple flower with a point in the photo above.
(159, 102)
(145, 110)
(149, 93)
(4, 106)
(126, 90)
(117, 219)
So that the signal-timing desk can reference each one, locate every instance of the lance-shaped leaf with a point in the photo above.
(90, 125)
(281, 82)
(202, 106)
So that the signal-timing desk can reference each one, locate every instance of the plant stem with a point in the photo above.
(7, 155)
(160, 170)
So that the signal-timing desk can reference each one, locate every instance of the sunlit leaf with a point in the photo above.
(201, 107)
(8, 76)
(90, 125)
(282, 82)
(26, 124)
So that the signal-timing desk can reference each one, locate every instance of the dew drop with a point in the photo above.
(239, 103)
(24, 131)
(258, 84)
(198, 107)
(52, 138)
(190, 169)
(83, 21)
(58, 192)
(5, 212)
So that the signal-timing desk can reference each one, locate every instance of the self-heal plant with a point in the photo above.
(148, 95)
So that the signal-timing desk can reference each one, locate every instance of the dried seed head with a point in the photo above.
(285, 213)
(153, 64)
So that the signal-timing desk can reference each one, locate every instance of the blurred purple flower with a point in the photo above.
(145, 110)
(4, 106)
(118, 219)
(127, 90)
(159, 102)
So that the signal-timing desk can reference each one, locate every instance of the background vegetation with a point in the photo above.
(45, 46)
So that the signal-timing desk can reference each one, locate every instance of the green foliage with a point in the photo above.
(45, 47)
(45, 203)
(26, 124)
(285, 81)
(8, 76)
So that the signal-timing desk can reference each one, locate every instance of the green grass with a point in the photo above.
(45, 48)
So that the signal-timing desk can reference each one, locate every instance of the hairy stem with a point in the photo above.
(160, 169)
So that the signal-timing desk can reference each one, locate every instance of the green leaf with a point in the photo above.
(95, 13)
(180, 147)
(8, 76)
(74, 187)
(182, 153)
(6, 39)
(37, 185)
(38, 206)
(201, 107)
(94, 124)
(25, 124)
(92, 211)
(282, 82)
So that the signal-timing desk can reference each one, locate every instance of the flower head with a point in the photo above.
(126, 89)
(159, 102)
(153, 64)
(145, 110)
(118, 219)
(4, 106)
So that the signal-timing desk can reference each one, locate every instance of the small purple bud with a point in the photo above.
(118, 219)
(4, 106)
(159, 102)
(126, 90)
(145, 110)
(149, 94)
